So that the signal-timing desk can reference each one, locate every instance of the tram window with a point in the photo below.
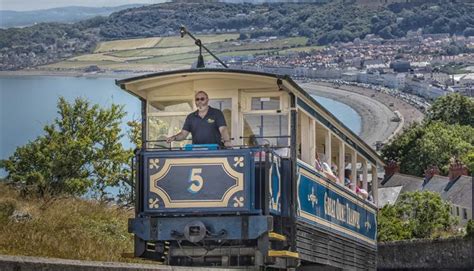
(224, 105)
(170, 106)
(265, 103)
(258, 126)
(159, 128)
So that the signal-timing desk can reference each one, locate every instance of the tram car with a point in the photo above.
(269, 201)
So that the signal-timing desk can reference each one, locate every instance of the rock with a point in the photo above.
(20, 216)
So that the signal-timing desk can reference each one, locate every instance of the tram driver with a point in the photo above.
(206, 125)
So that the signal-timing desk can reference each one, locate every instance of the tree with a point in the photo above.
(470, 229)
(435, 143)
(80, 151)
(446, 133)
(243, 36)
(453, 109)
(414, 215)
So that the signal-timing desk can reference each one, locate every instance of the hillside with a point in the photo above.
(69, 228)
(70, 14)
(336, 21)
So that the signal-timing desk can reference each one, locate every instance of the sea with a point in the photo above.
(28, 103)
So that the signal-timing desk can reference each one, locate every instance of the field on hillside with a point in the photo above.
(154, 52)
(187, 41)
(159, 54)
(69, 228)
(118, 45)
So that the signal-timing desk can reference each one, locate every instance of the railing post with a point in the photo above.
(294, 193)
(266, 183)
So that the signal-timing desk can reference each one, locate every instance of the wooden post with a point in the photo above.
(305, 138)
(364, 174)
(327, 147)
(342, 161)
(312, 141)
(375, 184)
(354, 170)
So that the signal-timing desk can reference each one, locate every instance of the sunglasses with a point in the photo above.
(200, 99)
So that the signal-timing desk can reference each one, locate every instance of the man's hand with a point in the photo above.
(178, 137)
(171, 139)
(228, 143)
(225, 136)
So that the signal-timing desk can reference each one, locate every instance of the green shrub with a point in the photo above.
(6, 208)
(470, 228)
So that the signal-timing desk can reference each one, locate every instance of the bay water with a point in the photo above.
(28, 103)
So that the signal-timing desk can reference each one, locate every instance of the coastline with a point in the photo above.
(117, 75)
(374, 108)
(409, 112)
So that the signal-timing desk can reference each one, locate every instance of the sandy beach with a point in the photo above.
(376, 109)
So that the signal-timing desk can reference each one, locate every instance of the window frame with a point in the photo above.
(165, 114)
(246, 108)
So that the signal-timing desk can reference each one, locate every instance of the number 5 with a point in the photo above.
(195, 180)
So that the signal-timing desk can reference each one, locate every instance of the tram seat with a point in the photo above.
(201, 147)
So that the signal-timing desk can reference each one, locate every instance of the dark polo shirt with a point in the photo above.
(205, 130)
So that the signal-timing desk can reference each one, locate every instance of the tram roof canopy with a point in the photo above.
(203, 79)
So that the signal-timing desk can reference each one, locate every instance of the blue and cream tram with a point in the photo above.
(272, 200)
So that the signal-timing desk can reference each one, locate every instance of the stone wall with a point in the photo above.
(453, 253)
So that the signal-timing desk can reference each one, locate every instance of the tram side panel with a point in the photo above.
(335, 227)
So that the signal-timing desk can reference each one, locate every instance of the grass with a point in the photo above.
(118, 45)
(103, 57)
(154, 52)
(187, 41)
(68, 228)
(186, 58)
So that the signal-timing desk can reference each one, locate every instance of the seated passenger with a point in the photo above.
(328, 172)
(253, 141)
(206, 125)
(317, 163)
(360, 191)
(282, 148)
(347, 177)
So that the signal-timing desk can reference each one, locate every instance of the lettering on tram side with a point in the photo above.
(341, 212)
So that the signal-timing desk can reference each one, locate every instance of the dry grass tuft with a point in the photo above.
(68, 228)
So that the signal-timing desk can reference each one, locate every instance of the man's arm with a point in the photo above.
(225, 136)
(178, 137)
(220, 122)
(184, 132)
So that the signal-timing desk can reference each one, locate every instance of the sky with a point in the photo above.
(23, 5)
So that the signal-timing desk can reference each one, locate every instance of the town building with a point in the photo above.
(456, 188)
